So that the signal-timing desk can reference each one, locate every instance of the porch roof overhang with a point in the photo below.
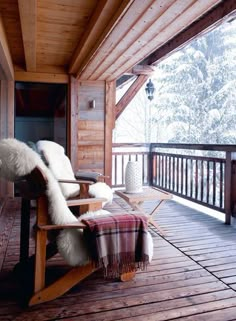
(99, 40)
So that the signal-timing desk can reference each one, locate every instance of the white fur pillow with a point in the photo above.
(60, 166)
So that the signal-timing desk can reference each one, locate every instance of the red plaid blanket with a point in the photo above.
(118, 243)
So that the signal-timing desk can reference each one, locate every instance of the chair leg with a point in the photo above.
(40, 261)
(24, 230)
(40, 246)
(62, 285)
(124, 277)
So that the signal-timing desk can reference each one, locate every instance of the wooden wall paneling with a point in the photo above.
(91, 126)
(72, 119)
(3, 102)
(91, 145)
(89, 91)
(109, 125)
(6, 125)
(10, 108)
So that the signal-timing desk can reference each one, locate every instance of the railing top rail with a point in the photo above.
(213, 147)
(194, 157)
(130, 153)
(130, 145)
(216, 147)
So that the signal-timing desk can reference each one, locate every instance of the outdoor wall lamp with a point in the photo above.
(150, 89)
(92, 104)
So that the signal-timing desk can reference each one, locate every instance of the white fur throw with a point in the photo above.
(60, 166)
(17, 159)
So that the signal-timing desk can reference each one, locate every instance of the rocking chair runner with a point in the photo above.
(33, 186)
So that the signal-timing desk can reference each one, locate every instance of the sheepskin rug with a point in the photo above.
(17, 160)
(60, 166)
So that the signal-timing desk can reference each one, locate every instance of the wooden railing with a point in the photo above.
(207, 180)
(122, 153)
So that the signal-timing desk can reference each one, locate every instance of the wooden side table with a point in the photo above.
(149, 194)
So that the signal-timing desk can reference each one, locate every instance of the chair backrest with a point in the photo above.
(60, 166)
(33, 185)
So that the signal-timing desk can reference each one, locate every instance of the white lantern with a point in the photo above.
(133, 177)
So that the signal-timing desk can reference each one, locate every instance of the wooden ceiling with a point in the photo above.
(98, 40)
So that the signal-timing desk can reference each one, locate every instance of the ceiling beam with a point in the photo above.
(97, 31)
(143, 70)
(124, 79)
(129, 95)
(212, 17)
(27, 10)
(5, 56)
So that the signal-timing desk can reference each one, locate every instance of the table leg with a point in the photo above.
(137, 206)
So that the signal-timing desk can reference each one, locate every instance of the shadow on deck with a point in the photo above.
(192, 275)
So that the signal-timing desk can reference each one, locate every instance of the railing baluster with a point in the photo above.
(169, 171)
(165, 182)
(177, 175)
(208, 182)
(159, 170)
(174, 172)
(202, 181)
(154, 169)
(191, 178)
(115, 169)
(186, 177)
(182, 176)
(214, 183)
(221, 185)
(122, 169)
(162, 170)
(196, 179)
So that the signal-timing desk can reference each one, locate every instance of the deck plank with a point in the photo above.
(190, 278)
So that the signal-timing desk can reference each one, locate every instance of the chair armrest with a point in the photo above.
(85, 201)
(50, 227)
(68, 181)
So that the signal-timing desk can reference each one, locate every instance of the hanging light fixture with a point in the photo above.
(150, 89)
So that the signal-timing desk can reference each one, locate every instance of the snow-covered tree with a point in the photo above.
(195, 95)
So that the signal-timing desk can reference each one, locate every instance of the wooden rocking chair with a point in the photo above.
(33, 186)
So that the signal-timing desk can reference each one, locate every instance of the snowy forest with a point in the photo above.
(194, 99)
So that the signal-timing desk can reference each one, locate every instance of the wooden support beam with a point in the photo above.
(109, 125)
(143, 70)
(97, 31)
(7, 70)
(41, 77)
(72, 126)
(213, 16)
(27, 10)
(129, 95)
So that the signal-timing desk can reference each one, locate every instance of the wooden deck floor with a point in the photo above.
(192, 276)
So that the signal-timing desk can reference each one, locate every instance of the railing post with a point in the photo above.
(228, 179)
(150, 166)
(233, 185)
